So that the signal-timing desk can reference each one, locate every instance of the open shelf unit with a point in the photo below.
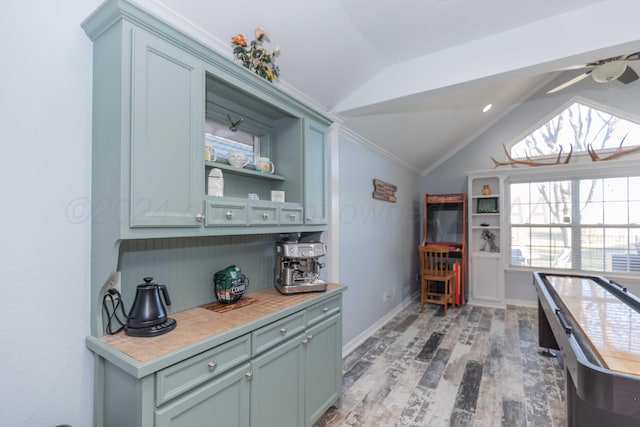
(486, 275)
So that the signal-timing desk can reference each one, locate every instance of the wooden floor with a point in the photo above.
(475, 367)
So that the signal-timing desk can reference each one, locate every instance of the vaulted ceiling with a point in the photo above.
(411, 77)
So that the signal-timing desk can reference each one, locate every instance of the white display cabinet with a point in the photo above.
(486, 272)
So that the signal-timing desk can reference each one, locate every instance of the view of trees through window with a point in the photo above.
(578, 127)
(589, 224)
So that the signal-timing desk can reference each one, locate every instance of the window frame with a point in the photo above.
(582, 170)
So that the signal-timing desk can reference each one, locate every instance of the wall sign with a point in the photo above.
(384, 191)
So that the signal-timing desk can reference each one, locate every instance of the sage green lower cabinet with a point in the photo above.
(222, 402)
(323, 373)
(277, 386)
(296, 382)
(284, 373)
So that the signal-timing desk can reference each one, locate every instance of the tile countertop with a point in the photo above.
(198, 324)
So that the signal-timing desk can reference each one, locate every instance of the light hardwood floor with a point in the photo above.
(475, 367)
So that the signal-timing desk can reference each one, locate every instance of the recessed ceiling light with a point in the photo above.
(487, 108)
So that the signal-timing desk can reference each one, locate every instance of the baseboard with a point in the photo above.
(522, 303)
(516, 302)
(362, 337)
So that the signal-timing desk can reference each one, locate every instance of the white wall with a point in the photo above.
(46, 372)
(378, 240)
(450, 176)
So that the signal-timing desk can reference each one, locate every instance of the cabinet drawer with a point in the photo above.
(263, 215)
(185, 375)
(217, 213)
(323, 310)
(290, 216)
(277, 332)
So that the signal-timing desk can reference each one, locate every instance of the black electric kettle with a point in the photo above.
(148, 315)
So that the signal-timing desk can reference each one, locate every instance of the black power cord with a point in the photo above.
(114, 298)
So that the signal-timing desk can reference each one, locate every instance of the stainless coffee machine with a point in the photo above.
(297, 267)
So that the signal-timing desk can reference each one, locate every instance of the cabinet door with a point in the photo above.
(220, 402)
(486, 281)
(167, 90)
(323, 380)
(277, 388)
(315, 173)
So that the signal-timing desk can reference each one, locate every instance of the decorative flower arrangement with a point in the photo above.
(255, 56)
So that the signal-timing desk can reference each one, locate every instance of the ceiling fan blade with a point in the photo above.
(633, 57)
(628, 76)
(570, 82)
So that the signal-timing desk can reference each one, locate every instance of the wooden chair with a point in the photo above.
(435, 269)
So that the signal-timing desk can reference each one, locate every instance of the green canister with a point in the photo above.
(230, 284)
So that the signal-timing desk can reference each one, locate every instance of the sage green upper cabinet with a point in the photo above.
(167, 129)
(315, 172)
(154, 88)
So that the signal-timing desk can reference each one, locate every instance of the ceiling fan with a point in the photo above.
(606, 70)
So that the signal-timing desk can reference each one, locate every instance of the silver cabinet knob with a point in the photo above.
(229, 214)
(212, 365)
(283, 331)
(199, 217)
(248, 376)
(309, 218)
(292, 216)
(325, 309)
(310, 337)
(265, 215)
(305, 341)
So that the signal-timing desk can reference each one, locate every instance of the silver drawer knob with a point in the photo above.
(309, 218)
(283, 331)
(199, 217)
(248, 376)
(325, 309)
(212, 365)
(265, 215)
(292, 216)
(229, 214)
(310, 337)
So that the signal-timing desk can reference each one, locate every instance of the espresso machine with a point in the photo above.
(297, 267)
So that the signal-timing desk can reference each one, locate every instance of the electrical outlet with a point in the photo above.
(113, 283)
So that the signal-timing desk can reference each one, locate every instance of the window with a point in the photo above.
(578, 127)
(579, 224)
(580, 221)
(224, 140)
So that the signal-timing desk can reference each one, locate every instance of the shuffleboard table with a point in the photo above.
(595, 324)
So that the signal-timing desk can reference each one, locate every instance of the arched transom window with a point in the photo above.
(578, 126)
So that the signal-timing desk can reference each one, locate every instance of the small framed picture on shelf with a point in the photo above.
(277, 196)
(487, 205)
